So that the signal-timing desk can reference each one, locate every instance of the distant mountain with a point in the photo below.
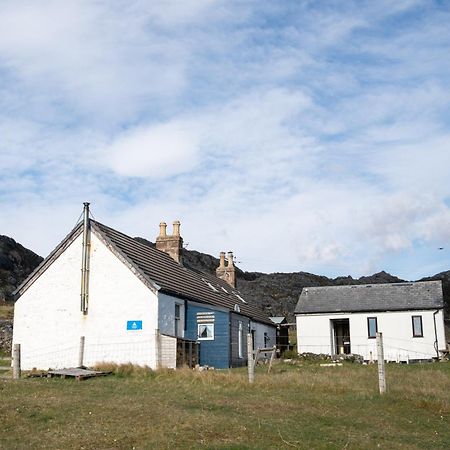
(277, 293)
(274, 293)
(16, 263)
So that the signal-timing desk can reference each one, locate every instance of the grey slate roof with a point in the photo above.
(158, 270)
(158, 267)
(371, 297)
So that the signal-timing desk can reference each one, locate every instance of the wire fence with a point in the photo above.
(96, 350)
(395, 349)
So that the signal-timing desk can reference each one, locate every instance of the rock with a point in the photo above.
(6, 334)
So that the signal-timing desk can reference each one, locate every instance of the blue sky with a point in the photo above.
(302, 135)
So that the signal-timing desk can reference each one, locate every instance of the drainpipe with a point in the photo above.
(85, 260)
(436, 347)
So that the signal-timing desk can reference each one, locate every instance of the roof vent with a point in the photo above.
(237, 308)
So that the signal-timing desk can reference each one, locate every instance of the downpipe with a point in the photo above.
(436, 347)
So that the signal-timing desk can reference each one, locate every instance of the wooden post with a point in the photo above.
(16, 361)
(250, 363)
(272, 356)
(81, 352)
(381, 371)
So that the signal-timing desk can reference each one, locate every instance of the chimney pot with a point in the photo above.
(176, 228)
(222, 260)
(230, 259)
(162, 229)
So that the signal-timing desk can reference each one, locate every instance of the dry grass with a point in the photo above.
(6, 312)
(304, 406)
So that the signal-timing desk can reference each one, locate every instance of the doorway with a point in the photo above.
(341, 336)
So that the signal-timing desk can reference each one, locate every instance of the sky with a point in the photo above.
(302, 135)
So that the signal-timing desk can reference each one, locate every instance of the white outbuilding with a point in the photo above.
(338, 320)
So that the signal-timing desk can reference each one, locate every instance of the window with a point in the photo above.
(206, 331)
(240, 340)
(417, 326)
(177, 320)
(372, 327)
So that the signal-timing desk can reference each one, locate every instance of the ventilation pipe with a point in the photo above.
(85, 260)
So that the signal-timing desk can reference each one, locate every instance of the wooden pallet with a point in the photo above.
(75, 372)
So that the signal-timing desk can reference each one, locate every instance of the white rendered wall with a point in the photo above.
(260, 329)
(48, 322)
(166, 314)
(168, 352)
(314, 334)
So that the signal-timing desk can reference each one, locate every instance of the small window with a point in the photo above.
(417, 326)
(372, 327)
(206, 331)
(177, 319)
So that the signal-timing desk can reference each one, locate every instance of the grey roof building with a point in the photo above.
(371, 297)
(158, 271)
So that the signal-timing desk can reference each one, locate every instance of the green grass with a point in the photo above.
(297, 406)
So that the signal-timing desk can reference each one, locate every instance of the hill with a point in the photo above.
(16, 263)
(274, 293)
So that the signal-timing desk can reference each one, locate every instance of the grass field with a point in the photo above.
(305, 406)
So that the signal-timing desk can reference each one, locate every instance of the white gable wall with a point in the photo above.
(48, 322)
(314, 334)
(260, 330)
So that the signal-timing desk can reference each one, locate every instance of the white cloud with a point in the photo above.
(157, 151)
(303, 136)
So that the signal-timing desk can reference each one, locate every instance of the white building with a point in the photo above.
(337, 320)
(136, 304)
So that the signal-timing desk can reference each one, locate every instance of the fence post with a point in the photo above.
(250, 363)
(16, 361)
(272, 356)
(381, 371)
(81, 352)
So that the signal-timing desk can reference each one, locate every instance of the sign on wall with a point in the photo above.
(134, 325)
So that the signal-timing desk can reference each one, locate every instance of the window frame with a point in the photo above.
(208, 338)
(369, 336)
(177, 320)
(415, 335)
(240, 339)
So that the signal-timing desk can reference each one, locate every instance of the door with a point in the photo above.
(341, 336)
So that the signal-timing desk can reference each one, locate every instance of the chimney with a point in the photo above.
(171, 244)
(228, 272)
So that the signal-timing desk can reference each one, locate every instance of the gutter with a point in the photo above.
(435, 333)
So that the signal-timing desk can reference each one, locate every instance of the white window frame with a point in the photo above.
(240, 339)
(414, 328)
(177, 320)
(208, 338)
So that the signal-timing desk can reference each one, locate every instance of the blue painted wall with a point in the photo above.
(215, 353)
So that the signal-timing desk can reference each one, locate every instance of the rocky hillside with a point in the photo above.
(16, 263)
(275, 293)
